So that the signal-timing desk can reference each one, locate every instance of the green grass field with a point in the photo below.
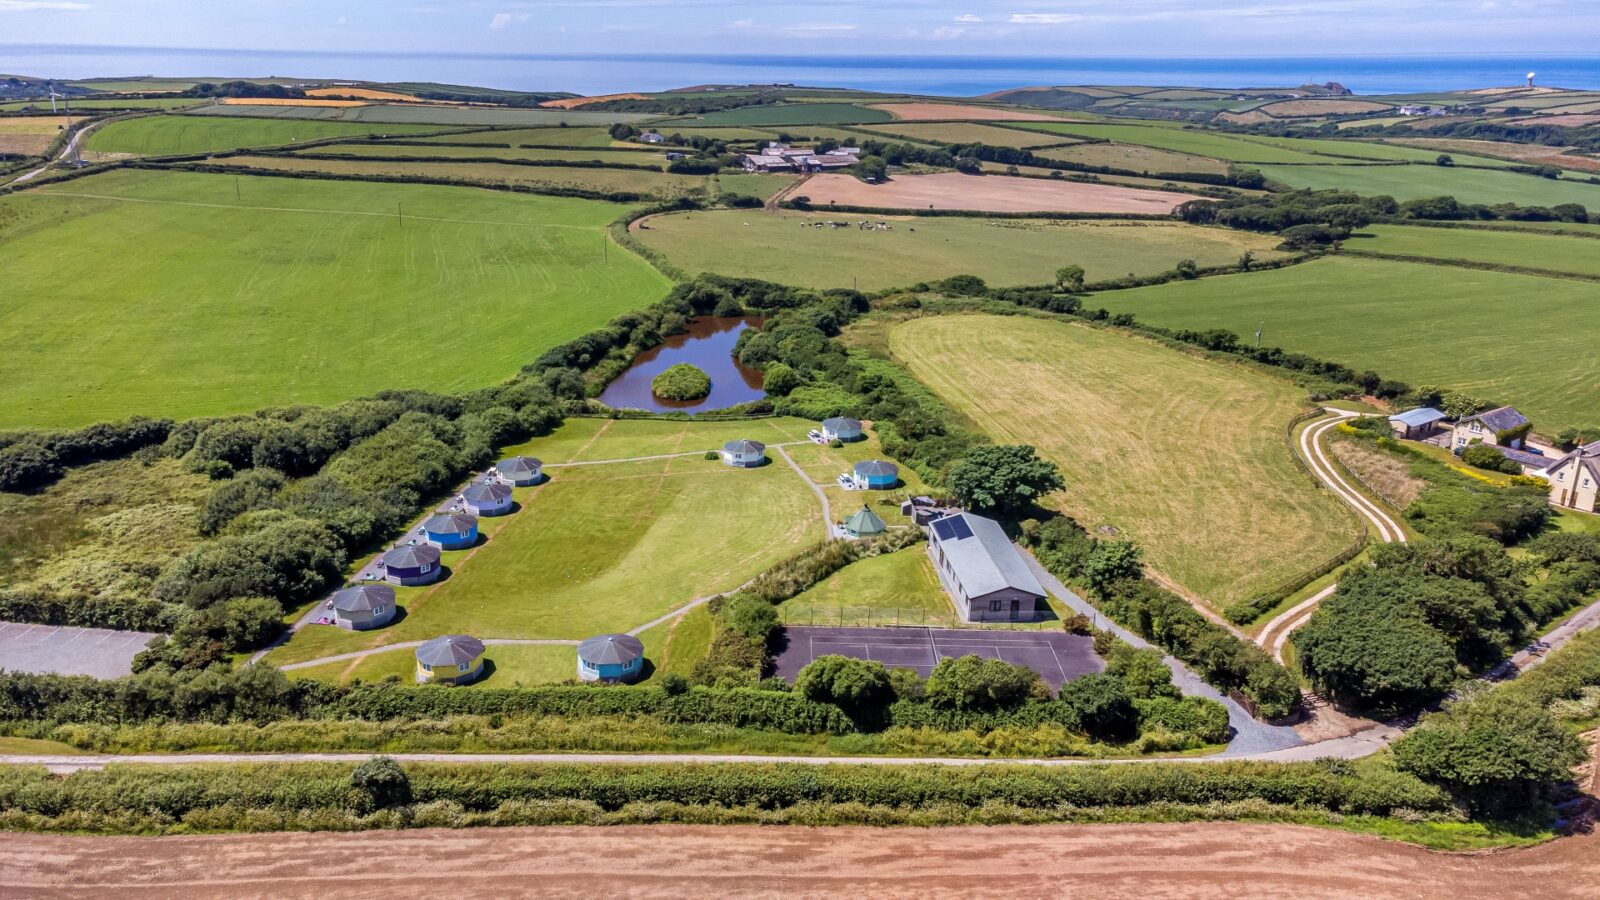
(367, 149)
(83, 104)
(1185, 456)
(1413, 182)
(1134, 157)
(658, 185)
(784, 114)
(967, 133)
(597, 549)
(778, 247)
(563, 137)
(1423, 324)
(895, 588)
(1179, 140)
(1554, 252)
(172, 135)
(168, 293)
(505, 665)
(752, 185)
(416, 113)
(592, 439)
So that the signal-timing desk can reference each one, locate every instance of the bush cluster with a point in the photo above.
(681, 382)
(32, 460)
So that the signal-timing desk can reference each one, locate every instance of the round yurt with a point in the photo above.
(865, 523)
(454, 659)
(364, 607)
(877, 473)
(744, 454)
(519, 471)
(487, 499)
(611, 657)
(841, 428)
(451, 531)
(412, 564)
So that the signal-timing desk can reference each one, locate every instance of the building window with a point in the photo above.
(994, 606)
(461, 668)
(427, 668)
(378, 611)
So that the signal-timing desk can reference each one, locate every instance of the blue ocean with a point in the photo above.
(937, 75)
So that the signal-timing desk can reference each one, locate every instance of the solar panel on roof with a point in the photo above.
(941, 527)
(953, 528)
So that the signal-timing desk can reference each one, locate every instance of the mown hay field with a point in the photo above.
(1411, 182)
(1181, 140)
(573, 154)
(1186, 456)
(1134, 157)
(29, 135)
(967, 133)
(1555, 252)
(596, 549)
(988, 193)
(184, 294)
(174, 135)
(363, 94)
(1420, 323)
(785, 114)
(788, 247)
(659, 185)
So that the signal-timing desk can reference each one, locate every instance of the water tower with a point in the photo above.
(1530, 78)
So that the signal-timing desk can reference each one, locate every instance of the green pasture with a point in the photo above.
(104, 104)
(659, 185)
(1491, 334)
(674, 646)
(1181, 140)
(505, 665)
(785, 114)
(173, 135)
(590, 440)
(181, 294)
(1555, 252)
(418, 113)
(1188, 457)
(546, 136)
(575, 154)
(751, 184)
(784, 247)
(966, 133)
(1134, 157)
(1411, 182)
(895, 588)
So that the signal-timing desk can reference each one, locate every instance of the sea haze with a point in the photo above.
(953, 76)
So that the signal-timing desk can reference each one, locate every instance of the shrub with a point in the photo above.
(976, 683)
(1143, 672)
(859, 686)
(1003, 478)
(748, 615)
(779, 380)
(1483, 456)
(1102, 706)
(382, 782)
(1375, 655)
(681, 382)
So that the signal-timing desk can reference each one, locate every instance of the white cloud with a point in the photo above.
(946, 33)
(819, 29)
(1044, 18)
(969, 19)
(31, 5)
(742, 23)
(506, 20)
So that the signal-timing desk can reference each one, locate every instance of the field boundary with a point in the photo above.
(1478, 265)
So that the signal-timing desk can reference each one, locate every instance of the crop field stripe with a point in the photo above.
(398, 214)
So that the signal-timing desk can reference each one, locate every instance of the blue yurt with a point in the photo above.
(840, 428)
(412, 564)
(611, 657)
(877, 473)
(451, 531)
(520, 471)
(487, 499)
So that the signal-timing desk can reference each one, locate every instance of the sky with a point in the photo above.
(1108, 28)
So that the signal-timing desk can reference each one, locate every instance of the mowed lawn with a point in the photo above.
(368, 149)
(895, 588)
(592, 440)
(505, 665)
(1411, 182)
(1553, 252)
(603, 181)
(599, 549)
(1185, 456)
(787, 248)
(172, 135)
(171, 294)
(1521, 339)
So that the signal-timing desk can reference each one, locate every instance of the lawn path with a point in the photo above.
(827, 511)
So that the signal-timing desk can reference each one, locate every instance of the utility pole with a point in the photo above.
(237, 196)
(400, 214)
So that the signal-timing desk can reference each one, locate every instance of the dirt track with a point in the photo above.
(988, 193)
(1146, 861)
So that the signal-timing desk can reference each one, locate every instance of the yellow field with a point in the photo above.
(575, 102)
(1185, 456)
(29, 135)
(288, 101)
(364, 94)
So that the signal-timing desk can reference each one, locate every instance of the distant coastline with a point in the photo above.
(952, 76)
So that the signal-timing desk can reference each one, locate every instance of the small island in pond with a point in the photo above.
(681, 382)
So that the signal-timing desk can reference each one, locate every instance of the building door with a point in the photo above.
(1016, 609)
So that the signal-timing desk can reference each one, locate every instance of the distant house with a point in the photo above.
(1415, 424)
(1413, 110)
(487, 499)
(652, 137)
(842, 429)
(364, 607)
(744, 454)
(865, 523)
(1503, 426)
(775, 157)
(451, 531)
(877, 473)
(611, 657)
(455, 659)
(1575, 478)
(520, 471)
(411, 565)
(981, 570)
(674, 156)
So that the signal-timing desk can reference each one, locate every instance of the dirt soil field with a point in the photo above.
(926, 112)
(988, 193)
(1144, 861)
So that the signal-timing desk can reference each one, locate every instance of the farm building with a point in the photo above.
(840, 428)
(487, 499)
(519, 471)
(652, 137)
(1575, 478)
(412, 564)
(455, 659)
(364, 607)
(1532, 463)
(451, 531)
(1416, 424)
(1501, 427)
(775, 157)
(877, 473)
(611, 657)
(865, 523)
(744, 454)
(983, 573)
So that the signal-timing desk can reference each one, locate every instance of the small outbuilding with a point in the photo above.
(487, 498)
(454, 659)
(1416, 424)
(451, 531)
(744, 454)
(412, 564)
(865, 523)
(877, 473)
(840, 428)
(519, 471)
(611, 657)
(364, 607)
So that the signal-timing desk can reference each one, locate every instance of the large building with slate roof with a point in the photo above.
(364, 607)
(412, 564)
(1487, 427)
(611, 657)
(981, 570)
(454, 659)
(1575, 478)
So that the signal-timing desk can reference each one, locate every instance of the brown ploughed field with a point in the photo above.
(1143, 861)
(927, 112)
(987, 193)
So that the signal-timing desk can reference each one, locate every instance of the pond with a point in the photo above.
(708, 344)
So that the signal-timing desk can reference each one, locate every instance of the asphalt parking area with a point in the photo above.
(1057, 656)
(63, 650)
